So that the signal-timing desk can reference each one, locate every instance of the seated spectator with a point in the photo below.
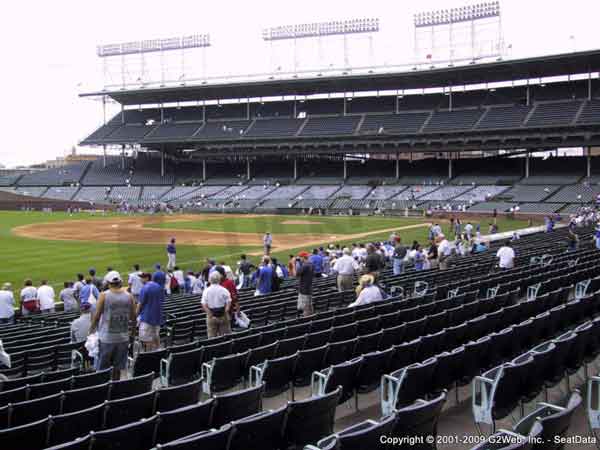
(367, 291)
(7, 305)
(67, 296)
(479, 247)
(80, 327)
(506, 256)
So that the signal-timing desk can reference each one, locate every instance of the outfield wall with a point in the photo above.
(15, 202)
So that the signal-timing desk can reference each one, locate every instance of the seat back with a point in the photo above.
(132, 386)
(206, 440)
(263, 430)
(278, 374)
(70, 426)
(339, 352)
(28, 436)
(419, 419)
(236, 405)
(184, 367)
(78, 399)
(344, 375)
(137, 435)
(32, 410)
(224, 373)
(129, 409)
(184, 421)
(92, 379)
(288, 347)
(374, 365)
(170, 398)
(147, 362)
(365, 435)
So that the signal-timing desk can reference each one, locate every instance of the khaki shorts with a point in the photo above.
(149, 333)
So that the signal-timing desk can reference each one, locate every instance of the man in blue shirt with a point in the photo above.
(150, 313)
(317, 261)
(159, 277)
(171, 254)
(264, 280)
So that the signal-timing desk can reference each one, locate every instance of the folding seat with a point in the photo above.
(310, 420)
(297, 330)
(385, 308)
(268, 337)
(309, 361)
(4, 410)
(419, 421)
(263, 430)
(455, 336)
(339, 352)
(205, 440)
(554, 420)
(409, 314)
(509, 440)
(78, 444)
(474, 353)
(343, 319)
(593, 345)
(67, 355)
(390, 320)
(275, 314)
(321, 325)
(78, 399)
(147, 362)
(502, 346)
(32, 410)
(39, 360)
(70, 426)
(13, 396)
(287, 347)
(187, 347)
(216, 351)
(317, 338)
(224, 373)
(477, 328)
(31, 436)
(455, 315)
(184, 421)
(170, 398)
(405, 354)
(276, 375)
(258, 355)
(59, 374)
(494, 320)
(130, 409)
(574, 312)
(344, 375)
(374, 366)
(132, 436)
(447, 369)
(392, 336)
(576, 356)
(181, 368)
(430, 344)
(471, 310)
(45, 389)
(368, 326)
(181, 333)
(92, 379)
(512, 314)
(130, 387)
(363, 435)
(14, 383)
(236, 405)
(497, 392)
(588, 306)
(344, 332)
(415, 329)
(523, 338)
(363, 312)
(402, 387)
(368, 343)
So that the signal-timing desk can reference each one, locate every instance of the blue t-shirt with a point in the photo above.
(159, 277)
(152, 298)
(171, 249)
(265, 285)
(86, 291)
(317, 262)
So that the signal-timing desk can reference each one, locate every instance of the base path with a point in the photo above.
(138, 229)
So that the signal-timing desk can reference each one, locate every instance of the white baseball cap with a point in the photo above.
(113, 277)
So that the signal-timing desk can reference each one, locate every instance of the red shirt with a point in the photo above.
(230, 286)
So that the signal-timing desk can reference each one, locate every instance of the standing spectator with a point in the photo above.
(317, 261)
(171, 254)
(79, 285)
(345, 267)
(159, 277)
(419, 258)
(305, 274)
(506, 256)
(244, 270)
(432, 255)
(7, 304)
(469, 230)
(231, 288)
(457, 226)
(216, 302)
(29, 299)
(114, 310)
(267, 243)
(197, 285)
(264, 280)
(178, 274)
(597, 235)
(67, 296)
(135, 282)
(373, 262)
(94, 279)
(150, 312)
(398, 257)
(80, 327)
(89, 294)
(444, 252)
(46, 297)
(292, 266)
(572, 242)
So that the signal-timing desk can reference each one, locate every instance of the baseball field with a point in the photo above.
(56, 246)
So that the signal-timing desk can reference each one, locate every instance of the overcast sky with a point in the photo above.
(48, 49)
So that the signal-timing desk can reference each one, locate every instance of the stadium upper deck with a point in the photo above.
(465, 113)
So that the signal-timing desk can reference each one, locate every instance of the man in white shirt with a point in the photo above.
(46, 297)
(7, 305)
(178, 274)
(135, 282)
(506, 256)
(444, 252)
(80, 327)
(345, 267)
(216, 302)
(29, 299)
(469, 230)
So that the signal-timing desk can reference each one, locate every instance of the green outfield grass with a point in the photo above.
(59, 261)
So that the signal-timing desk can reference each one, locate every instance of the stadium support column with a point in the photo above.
(203, 170)
(104, 156)
(345, 169)
(397, 165)
(527, 165)
(122, 157)
(449, 166)
(588, 165)
(247, 168)
(162, 162)
(295, 169)
(589, 84)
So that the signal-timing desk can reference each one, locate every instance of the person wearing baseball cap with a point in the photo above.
(305, 274)
(114, 310)
(80, 327)
(150, 312)
(7, 305)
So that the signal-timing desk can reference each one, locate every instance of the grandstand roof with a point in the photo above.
(508, 70)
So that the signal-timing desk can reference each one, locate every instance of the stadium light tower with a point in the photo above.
(457, 22)
(319, 30)
(149, 46)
